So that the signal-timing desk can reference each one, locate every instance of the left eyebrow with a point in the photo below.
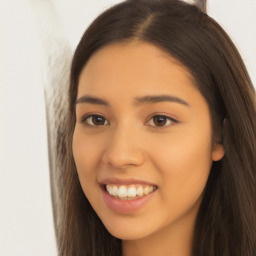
(159, 98)
(92, 100)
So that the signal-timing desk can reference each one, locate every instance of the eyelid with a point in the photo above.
(85, 117)
(173, 120)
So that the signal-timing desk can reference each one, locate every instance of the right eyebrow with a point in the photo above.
(92, 100)
(159, 98)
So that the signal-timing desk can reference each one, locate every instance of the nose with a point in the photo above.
(123, 150)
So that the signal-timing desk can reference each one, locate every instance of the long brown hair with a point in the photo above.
(226, 221)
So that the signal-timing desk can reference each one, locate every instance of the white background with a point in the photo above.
(26, 226)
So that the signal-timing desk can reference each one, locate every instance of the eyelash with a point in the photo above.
(88, 117)
(167, 119)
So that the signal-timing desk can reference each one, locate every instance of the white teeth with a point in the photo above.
(129, 192)
(122, 192)
(146, 190)
(115, 190)
(109, 189)
(140, 191)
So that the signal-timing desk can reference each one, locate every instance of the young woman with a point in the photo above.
(161, 138)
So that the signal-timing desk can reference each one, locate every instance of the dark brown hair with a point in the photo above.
(226, 221)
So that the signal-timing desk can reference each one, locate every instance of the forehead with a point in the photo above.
(134, 68)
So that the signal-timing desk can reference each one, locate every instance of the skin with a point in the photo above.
(176, 156)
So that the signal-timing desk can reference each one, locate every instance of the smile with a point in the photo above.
(129, 192)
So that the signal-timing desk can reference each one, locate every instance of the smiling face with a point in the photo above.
(142, 123)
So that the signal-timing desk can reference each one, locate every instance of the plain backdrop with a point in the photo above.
(26, 225)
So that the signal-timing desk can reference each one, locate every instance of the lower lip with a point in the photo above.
(125, 206)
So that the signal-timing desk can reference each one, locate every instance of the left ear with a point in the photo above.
(217, 152)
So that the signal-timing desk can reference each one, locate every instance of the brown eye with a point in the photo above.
(161, 120)
(95, 120)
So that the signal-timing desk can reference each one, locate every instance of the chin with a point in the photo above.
(127, 231)
(127, 235)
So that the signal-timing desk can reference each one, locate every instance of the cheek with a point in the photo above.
(85, 150)
(183, 151)
(86, 155)
(184, 162)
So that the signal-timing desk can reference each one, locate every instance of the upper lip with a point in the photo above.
(128, 181)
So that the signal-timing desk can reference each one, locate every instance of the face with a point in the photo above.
(144, 135)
